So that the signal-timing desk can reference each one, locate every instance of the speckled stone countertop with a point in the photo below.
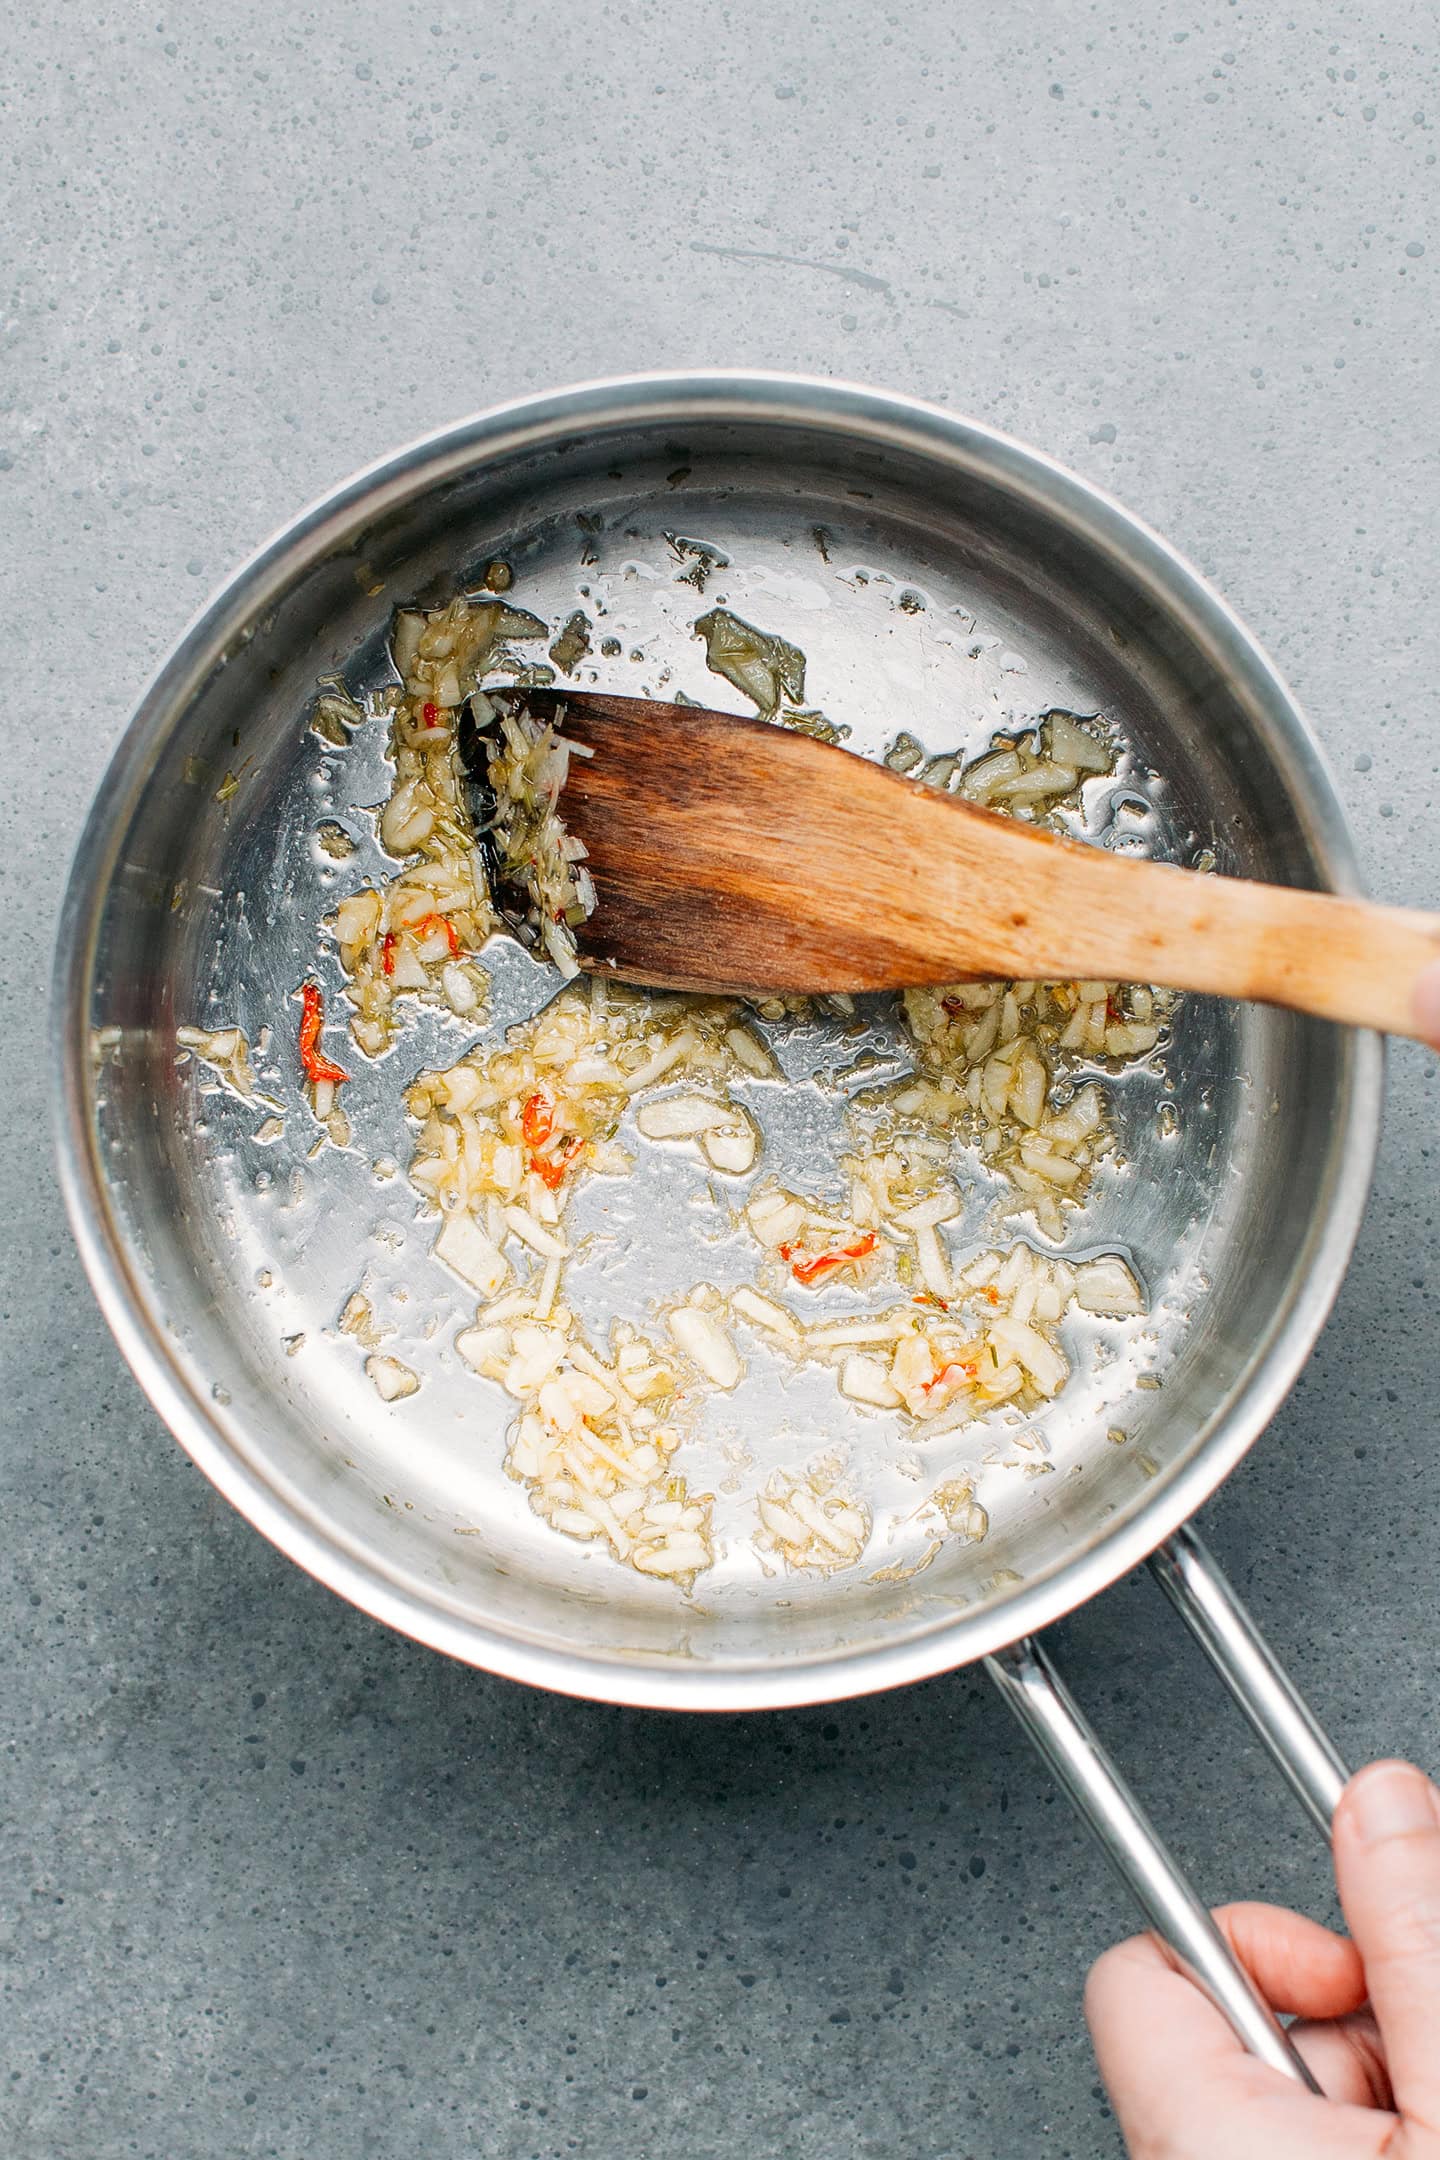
(274, 1881)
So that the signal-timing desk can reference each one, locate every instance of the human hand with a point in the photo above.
(1182, 2085)
(1427, 1003)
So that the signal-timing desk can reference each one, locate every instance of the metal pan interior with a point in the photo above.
(939, 581)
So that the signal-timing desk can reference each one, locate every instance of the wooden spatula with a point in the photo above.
(731, 854)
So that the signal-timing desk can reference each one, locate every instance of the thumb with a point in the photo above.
(1427, 1003)
(1387, 1864)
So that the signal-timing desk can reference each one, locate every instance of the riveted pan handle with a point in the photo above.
(1197, 1589)
(1052, 1718)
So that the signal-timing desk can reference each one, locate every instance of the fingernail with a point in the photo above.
(1427, 1004)
(1392, 1800)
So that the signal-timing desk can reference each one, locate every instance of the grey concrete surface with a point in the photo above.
(274, 1881)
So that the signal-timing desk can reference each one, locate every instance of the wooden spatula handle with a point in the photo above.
(1053, 909)
(1343, 959)
(1350, 960)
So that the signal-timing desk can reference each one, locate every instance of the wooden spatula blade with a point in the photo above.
(727, 853)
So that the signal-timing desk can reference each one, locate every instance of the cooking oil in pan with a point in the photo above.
(883, 653)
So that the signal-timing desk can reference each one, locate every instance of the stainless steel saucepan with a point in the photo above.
(939, 579)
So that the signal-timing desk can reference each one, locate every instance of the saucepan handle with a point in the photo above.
(1219, 1622)
(1064, 1737)
(1191, 1579)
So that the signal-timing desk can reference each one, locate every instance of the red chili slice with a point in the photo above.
(312, 1018)
(440, 922)
(537, 1119)
(809, 1271)
(966, 1367)
(551, 1168)
(537, 1124)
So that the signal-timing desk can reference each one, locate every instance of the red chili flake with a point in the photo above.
(537, 1119)
(440, 922)
(430, 714)
(551, 1169)
(809, 1271)
(537, 1123)
(312, 1018)
(966, 1367)
(387, 952)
